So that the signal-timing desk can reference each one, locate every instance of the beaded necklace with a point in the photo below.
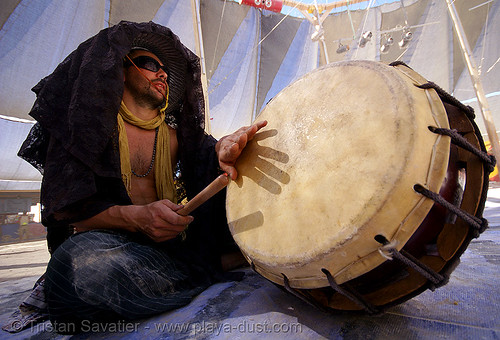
(152, 158)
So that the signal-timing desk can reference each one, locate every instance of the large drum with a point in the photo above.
(363, 190)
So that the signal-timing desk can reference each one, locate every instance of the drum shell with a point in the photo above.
(396, 212)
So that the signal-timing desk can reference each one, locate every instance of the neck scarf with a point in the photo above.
(164, 179)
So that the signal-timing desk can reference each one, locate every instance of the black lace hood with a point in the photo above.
(77, 104)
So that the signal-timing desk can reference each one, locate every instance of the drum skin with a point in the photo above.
(336, 166)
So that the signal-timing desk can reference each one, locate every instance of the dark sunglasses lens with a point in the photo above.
(148, 63)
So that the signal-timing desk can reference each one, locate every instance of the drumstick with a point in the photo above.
(217, 185)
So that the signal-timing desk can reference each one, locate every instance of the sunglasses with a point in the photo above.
(147, 63)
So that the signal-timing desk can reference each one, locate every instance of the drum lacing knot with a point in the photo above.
(479, 225)
(458, 139)
(409, 260)
(385, 250)
(351, 294)
(448, 98)
(399, 62)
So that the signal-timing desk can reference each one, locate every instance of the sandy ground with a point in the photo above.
(21, 260)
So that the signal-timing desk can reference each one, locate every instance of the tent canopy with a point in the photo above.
(249, 55)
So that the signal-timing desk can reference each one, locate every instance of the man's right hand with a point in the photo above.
(158, 220)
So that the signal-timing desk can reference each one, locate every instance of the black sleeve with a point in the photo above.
(209, 234)
(72, 192)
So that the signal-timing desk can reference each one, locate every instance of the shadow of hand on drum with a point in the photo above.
(246, 223)
(254, 164)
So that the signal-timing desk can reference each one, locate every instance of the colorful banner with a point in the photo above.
(270, 5)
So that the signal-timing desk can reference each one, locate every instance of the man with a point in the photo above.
(114, 120)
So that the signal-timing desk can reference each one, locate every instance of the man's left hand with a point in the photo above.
(229, 147)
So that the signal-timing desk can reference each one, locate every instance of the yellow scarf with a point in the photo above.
(164, 179)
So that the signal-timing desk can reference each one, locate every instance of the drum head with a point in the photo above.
(336, 166)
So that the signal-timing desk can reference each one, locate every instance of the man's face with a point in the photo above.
(148, 93)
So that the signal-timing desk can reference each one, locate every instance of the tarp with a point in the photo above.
(15, 173)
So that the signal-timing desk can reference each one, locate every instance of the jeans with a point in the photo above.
(106, 275)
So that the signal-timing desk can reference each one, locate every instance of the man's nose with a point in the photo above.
(162, 74)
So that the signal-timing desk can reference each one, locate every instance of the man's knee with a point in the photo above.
(81, 265)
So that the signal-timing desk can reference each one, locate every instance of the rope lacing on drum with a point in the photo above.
(445, 96)
(448, 98)
(479, 224)
(399, 62)
(303, 295)
(459, 140)
(409, 260)
(351, 294)
(347, 291)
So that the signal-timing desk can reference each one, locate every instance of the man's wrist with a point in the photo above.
(127, 215)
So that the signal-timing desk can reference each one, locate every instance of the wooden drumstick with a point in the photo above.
(217, 185)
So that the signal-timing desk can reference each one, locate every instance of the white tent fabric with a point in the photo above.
(232, 86)
(178, 14)
(487, 57)
(430, 48)
(32, 44)
(302, 57)
(15, 174)
(250, 58)
(37, 36)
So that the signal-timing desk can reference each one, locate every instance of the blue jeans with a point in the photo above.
(106, 275)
